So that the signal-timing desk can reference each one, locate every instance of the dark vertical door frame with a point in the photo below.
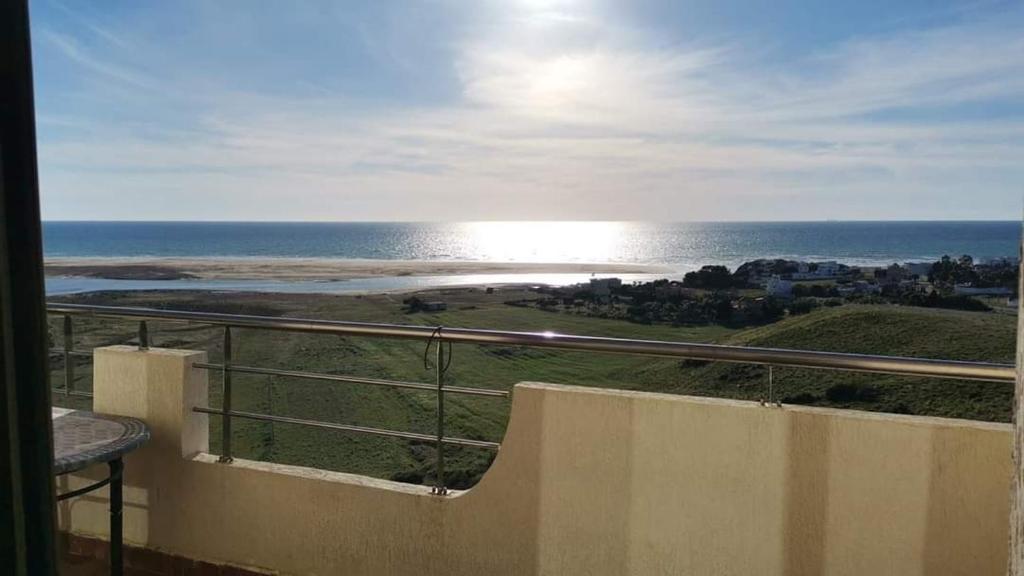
(27, 510)
(1016, 561)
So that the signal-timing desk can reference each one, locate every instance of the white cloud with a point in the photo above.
(105, 70)
(563, 117)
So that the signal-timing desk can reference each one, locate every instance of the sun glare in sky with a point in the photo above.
(530, 110)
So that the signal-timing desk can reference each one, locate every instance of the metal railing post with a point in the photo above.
(769, 399)
(439, 487)
(225, 452)
(772, 394)
(143, 335)
(69, 366)
(270, 410)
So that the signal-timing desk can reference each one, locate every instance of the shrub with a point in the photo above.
(803, 306)
(408, 476)
(771, 309)
(709, 277)
(801, 398)
(413, 304)
(852, 393)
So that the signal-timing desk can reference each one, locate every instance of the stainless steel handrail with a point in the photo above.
(1004, 373)
(351, 379)
(982, 371)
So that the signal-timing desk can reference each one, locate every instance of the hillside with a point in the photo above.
(866, 329)
(890, 330)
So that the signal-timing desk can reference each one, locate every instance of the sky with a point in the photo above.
(667, 110)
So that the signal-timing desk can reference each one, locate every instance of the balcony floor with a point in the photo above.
(89, 557)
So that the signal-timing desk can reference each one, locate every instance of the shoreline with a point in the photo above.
(312, 269)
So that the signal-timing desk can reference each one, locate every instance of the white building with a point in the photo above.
(863, 287)
(601, 288)
(778, 287)
(827, 269)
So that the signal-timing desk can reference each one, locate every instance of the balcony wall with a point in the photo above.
(587, 481)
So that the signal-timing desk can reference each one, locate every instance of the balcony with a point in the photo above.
(586, 481)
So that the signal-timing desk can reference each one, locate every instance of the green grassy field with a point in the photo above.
(889, 330)
(867, 329)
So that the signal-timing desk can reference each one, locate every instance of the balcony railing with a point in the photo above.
(437, 337)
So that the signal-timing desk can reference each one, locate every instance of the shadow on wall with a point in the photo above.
(587, 481)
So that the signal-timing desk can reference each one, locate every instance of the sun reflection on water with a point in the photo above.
(547, 241)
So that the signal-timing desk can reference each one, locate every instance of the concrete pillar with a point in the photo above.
(159, 387)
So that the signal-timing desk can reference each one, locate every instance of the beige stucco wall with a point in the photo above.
(587, 482)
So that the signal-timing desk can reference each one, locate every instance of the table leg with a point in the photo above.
(116, 524)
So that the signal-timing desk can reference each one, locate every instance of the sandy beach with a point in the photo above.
(311, 269)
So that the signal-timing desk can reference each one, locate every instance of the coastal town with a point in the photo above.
(766, 290)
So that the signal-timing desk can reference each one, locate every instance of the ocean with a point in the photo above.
(682, 246)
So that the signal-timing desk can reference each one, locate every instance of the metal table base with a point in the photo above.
(83, 439)
(115, 480)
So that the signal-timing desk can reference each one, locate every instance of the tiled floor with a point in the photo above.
(91, 567)
(88, 557)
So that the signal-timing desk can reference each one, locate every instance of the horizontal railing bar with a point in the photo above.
(982, 371)
(71, 352)
(470, 443)
(476, 391)
(72, 392)
(350, 379)
(312, 375)
(347, 427)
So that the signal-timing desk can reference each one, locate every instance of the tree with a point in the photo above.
(947, 272)
(709, 277)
